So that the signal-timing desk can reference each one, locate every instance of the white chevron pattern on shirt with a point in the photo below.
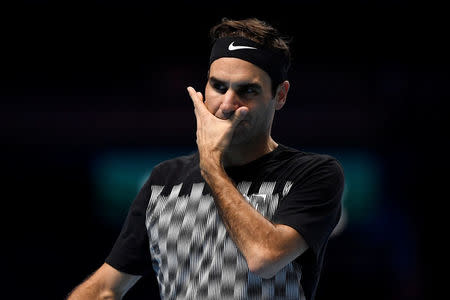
(193, 256)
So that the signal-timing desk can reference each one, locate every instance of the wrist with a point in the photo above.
(210, 165)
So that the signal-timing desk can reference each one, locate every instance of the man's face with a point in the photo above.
(233, 83)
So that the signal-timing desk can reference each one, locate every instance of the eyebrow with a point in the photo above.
(216, 80)
(238, 85)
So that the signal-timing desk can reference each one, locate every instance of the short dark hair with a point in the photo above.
(255, 30)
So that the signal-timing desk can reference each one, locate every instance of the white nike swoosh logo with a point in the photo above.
(232, 47)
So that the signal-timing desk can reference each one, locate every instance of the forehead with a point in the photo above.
(234, 69)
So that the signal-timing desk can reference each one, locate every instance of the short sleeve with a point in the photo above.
(130, 253)
(313, 204)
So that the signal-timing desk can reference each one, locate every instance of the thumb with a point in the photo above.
(238, 115)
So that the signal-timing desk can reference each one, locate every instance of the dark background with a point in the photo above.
(79, 78)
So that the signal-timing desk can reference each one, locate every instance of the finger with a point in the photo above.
(197, 99)
(193, 94)
(200, 96)
(239, 115)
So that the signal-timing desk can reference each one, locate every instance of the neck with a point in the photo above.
(242, 154)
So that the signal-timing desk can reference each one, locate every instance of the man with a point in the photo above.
(244, 217)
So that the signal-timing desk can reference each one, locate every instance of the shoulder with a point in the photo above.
(180, 162)
(176, 167)
(316, 159)
(313, 164)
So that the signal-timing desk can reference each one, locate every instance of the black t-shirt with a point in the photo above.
(173, 226)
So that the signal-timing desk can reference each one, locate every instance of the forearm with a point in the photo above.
(254, 235)
(106, 283)
(89, 291)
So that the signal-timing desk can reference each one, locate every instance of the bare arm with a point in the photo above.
(267, 247)
(106, 283)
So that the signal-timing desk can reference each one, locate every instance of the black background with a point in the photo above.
(80, 77)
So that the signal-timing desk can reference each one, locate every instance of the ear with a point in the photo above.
(281, 95)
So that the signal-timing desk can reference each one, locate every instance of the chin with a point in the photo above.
(240, 137)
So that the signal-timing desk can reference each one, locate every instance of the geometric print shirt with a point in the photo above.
(193, 256)
(174, 229)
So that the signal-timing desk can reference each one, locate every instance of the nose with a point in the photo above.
(229, 104)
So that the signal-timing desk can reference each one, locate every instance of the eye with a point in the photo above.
(250, 90)
(221, 88)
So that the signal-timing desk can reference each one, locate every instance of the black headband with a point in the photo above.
(270, 60)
